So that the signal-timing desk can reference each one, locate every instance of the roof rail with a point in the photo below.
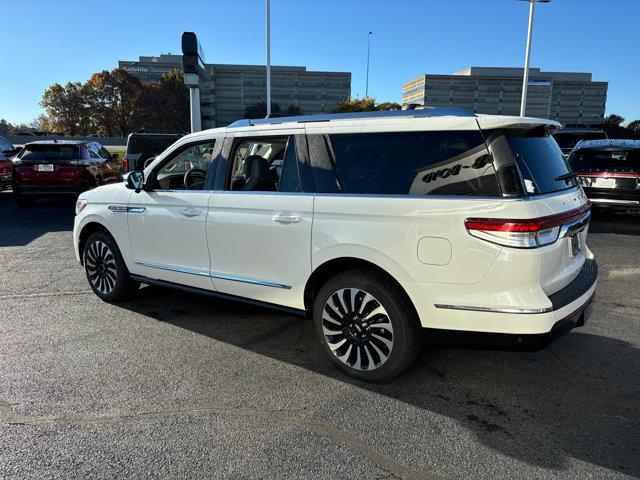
(328, 117)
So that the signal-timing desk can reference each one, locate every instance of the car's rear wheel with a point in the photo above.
(23, 201)
(106, 270)
(366, 326)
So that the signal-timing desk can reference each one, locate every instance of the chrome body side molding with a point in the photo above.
(190, 271)
(252, 281)
(202, 273)
(494, 309)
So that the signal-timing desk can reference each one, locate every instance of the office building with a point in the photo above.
(572, 99)
(227, 90)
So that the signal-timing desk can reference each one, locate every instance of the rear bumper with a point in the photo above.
(566, 307)
(51, 190)
(519, 342)
(615, 198)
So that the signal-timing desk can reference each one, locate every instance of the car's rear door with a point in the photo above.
(167, 219)
(259, 230)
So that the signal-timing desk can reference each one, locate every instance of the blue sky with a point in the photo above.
(62, 40)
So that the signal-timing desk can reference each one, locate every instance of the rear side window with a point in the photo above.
(50, 152)
(417, 163)
(149, 145)
(536, 155)
(603, 159)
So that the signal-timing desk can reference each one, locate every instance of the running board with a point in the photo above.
(224, 296)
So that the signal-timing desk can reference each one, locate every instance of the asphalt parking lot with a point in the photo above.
(173, 385)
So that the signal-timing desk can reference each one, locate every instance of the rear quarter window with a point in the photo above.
(536, 156)
(417, 163)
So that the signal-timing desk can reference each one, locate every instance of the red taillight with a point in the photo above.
(497, 225)
(523, 233)
(125, 164)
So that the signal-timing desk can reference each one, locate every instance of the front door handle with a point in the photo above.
(189, 212)
(286, 218)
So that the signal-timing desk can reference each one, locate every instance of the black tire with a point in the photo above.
(105, 269)
(23, 202)
(366, 333)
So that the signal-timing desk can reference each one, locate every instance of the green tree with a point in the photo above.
(111, 101)
(388, 106)
(613, 126)
(366, 104)
(163, 106)
(259, 110)
(293, 109)
(634, 129)
(5, 127)
(66, 107)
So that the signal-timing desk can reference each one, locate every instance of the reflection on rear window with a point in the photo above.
(540, 161)
(50, 152)
(568, 140)
(594, 158)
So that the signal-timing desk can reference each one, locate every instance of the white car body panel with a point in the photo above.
(259, 245)
(168, 238)
(235, 245)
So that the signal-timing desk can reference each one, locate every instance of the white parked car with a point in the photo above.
(377, 225)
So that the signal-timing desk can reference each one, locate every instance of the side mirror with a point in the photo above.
(135, 180)
(115, 157)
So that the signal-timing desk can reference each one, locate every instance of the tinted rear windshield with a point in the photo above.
(603, 159)
(150, 145)
(536, 155)
(50, 152)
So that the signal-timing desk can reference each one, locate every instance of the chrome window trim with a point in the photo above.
(382, 196)
(494, 309)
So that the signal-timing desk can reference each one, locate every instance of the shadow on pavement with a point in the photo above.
(576, 399)
(20, 226)
(610, 221)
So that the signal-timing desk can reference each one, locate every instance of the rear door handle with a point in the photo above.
(189, 212)
(286, 218)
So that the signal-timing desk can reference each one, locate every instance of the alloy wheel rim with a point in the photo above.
(101, 267)
(357, 329)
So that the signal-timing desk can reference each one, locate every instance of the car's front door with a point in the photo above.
(259, 226)
(167, 219)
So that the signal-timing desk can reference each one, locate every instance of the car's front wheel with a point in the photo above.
(105, 268)
(366, 326)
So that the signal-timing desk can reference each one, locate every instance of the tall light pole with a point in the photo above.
(525, 80)
(366, 89)
(268, 59)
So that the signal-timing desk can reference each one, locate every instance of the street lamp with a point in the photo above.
(268, 58)
(366, 89)
(525, 80)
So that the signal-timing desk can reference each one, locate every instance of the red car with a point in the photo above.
(53, 168)
(6, 152)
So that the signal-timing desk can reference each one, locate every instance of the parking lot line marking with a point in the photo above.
(45, 294)
(7, 415)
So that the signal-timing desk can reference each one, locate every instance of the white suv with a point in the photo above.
(375, 224)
